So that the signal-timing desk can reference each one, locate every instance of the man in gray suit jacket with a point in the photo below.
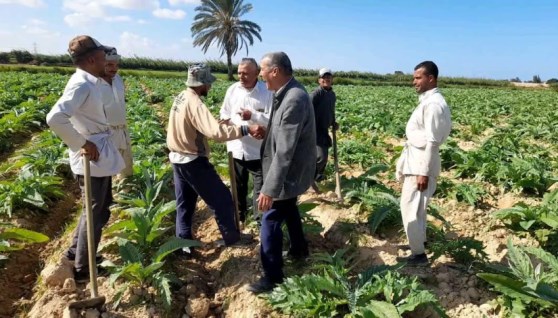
(288, 164)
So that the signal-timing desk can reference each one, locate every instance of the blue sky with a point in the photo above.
(488, 39)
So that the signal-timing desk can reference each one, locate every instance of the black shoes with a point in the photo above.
(415, 260)
(98, 258)
(405, 247)
(82, 276)
(263, 285)
(296, 256)
(243, 240)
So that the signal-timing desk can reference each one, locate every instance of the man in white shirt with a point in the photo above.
(419, 165)
(113, 93)
(78, 118)
(247, 102)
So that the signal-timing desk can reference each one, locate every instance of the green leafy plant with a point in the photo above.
(138, 270)
(541, 220)
(375, 198)
(528, 288)
(29, 190)
(331, 291)
(465, 251)
(14, 239)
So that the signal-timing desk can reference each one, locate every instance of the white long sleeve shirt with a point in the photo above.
(79, 116)
(427, 129)
(259, 101)
(115, 109)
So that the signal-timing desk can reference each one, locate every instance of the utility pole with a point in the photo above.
(34, 48)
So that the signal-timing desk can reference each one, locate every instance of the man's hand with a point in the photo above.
(90, 149)
(422, 183)
(245, 114)
(256, 131)
(264, 202)
(335, 126)
(225, 121)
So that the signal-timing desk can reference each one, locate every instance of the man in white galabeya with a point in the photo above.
(246, 102)
(79, 119)
(419, 165)
(113, 93)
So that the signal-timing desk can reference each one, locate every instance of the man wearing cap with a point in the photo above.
(190, 124)
(420, 164)
(247, 102)
(288, 168)
(78, 118)
(323, 99)
(112, 90)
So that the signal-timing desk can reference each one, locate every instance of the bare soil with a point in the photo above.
(19, 275)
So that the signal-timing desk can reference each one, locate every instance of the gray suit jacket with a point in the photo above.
(289, 149)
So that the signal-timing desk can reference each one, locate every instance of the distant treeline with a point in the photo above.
(306, 76)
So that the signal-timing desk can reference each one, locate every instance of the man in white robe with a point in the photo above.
(113, 94)
(79, 119)
(419, 165)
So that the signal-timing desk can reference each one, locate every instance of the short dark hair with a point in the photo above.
(430, 68)
(280, 60)
(249, 60)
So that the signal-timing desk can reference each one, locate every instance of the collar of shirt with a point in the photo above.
(428, 93)
(104, 82)
(283, 87)
(254, 89)
(88, 76)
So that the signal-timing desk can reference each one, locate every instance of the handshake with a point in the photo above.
(256, 131)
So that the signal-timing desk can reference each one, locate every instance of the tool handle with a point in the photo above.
(90, 231)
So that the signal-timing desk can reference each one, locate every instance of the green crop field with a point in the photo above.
(494, 218)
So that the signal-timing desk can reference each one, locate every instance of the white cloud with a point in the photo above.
(169, 14)
(131, 4)
(85, 8)
(36, 22)
(37, 27)
(141, 21)
(27, 3)
(77, 20)
(133, 44)
(179, 2)
(118, 18)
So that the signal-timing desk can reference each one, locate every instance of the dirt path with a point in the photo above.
(20, 273)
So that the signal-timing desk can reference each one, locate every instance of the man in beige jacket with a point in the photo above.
(190, 124)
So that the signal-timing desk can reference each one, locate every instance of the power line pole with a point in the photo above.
(35, 48)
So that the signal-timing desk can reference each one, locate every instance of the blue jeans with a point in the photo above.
(271, 237)
(199, 178)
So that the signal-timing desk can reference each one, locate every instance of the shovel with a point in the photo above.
(336, 166)
(95, 301)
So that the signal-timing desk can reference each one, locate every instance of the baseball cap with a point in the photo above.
(324, 71)
(83, 44)
(198, 75)
(112, 55)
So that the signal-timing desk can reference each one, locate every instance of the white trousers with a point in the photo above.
(413, 211)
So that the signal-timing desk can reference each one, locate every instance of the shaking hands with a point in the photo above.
(256, 131)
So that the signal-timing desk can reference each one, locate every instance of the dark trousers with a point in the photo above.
(271, 237)
(101, 199)
(199, 178)
(244, 168)
(321, 161)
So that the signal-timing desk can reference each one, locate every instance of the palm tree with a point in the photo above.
(219, 21)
